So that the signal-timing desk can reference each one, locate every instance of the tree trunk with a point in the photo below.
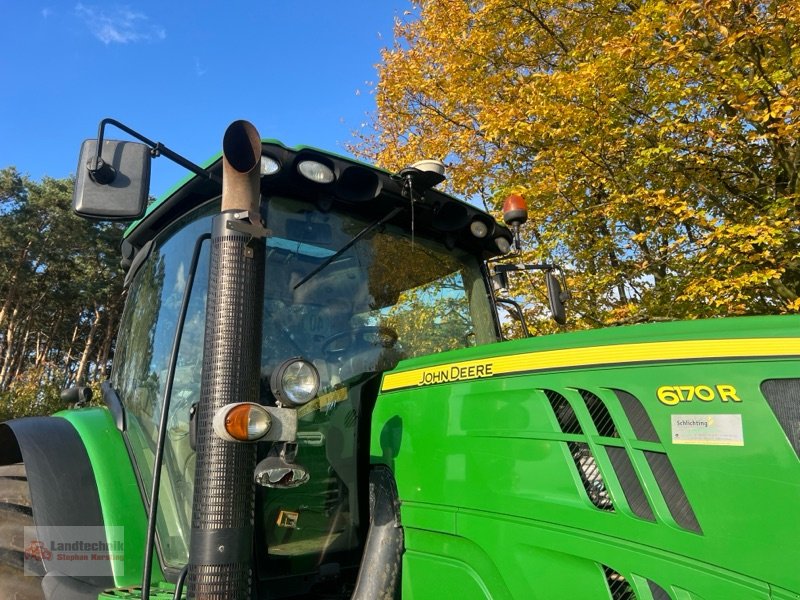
(12, 286)
(43, 346)
(112, 317)
(68, 356)
(21, 353)
(80, 376)
(9, 348)
(105, 349)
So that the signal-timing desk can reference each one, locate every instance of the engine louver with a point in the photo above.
(783, 397)
(619, 587)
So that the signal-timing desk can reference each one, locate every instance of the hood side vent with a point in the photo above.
(673, 492)
(619, 587)
(657, 591)
(640, 422)
(599, 413)
(783, 397)
(631, 486)
(564, 413)
(590, 475)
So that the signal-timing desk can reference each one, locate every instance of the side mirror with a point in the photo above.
(555, 298)
(116, 187)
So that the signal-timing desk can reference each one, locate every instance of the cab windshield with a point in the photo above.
(386, 297)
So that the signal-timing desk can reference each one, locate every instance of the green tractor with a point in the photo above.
(311, 398)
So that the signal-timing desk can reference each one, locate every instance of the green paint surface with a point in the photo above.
(493, 502)
(120, 497)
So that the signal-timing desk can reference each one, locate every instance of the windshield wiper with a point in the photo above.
(354, 239)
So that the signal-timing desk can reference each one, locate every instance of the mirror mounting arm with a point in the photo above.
(533, 267)
(520, 315)
(104, 173)
(556, 295)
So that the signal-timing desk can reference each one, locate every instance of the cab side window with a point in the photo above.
(141, 363)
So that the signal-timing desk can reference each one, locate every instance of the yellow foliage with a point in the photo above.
(656, 143)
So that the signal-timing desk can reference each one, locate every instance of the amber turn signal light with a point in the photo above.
(242, 422)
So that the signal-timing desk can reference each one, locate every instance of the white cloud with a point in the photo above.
(198, 68)
(46, 12)
(119, 24)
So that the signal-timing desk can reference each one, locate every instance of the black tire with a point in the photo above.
(15, 515)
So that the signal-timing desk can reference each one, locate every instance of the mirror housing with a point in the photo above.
(555, 298)
(118, 188)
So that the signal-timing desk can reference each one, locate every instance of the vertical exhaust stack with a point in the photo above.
(222, 510)
(241, 167)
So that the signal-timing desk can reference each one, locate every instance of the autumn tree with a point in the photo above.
(60, 294)
(656, 142)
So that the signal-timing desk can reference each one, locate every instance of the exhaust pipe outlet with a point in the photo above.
(220, 552)
(241, 167)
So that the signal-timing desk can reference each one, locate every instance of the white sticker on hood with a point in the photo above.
(712, 430)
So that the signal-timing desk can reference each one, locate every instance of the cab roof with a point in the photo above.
(357, 187)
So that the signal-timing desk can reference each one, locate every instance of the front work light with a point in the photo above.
(502, 244)
(269, 166)
(479, 228)
(242, 422)
(316, 171)
(295, 382)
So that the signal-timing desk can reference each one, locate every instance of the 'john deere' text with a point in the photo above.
(455, 373)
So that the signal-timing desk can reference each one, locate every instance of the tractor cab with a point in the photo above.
(362, 269)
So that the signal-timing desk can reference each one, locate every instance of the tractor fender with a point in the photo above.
(379, 574)
(63, 492)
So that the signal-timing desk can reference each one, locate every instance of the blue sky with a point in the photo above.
(180, 72)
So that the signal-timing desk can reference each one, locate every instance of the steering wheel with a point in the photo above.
(339, 342)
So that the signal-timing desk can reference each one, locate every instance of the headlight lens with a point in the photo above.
(269, 166)
(502, 244)
(295, 382)
(479, 228)
(316, 171)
